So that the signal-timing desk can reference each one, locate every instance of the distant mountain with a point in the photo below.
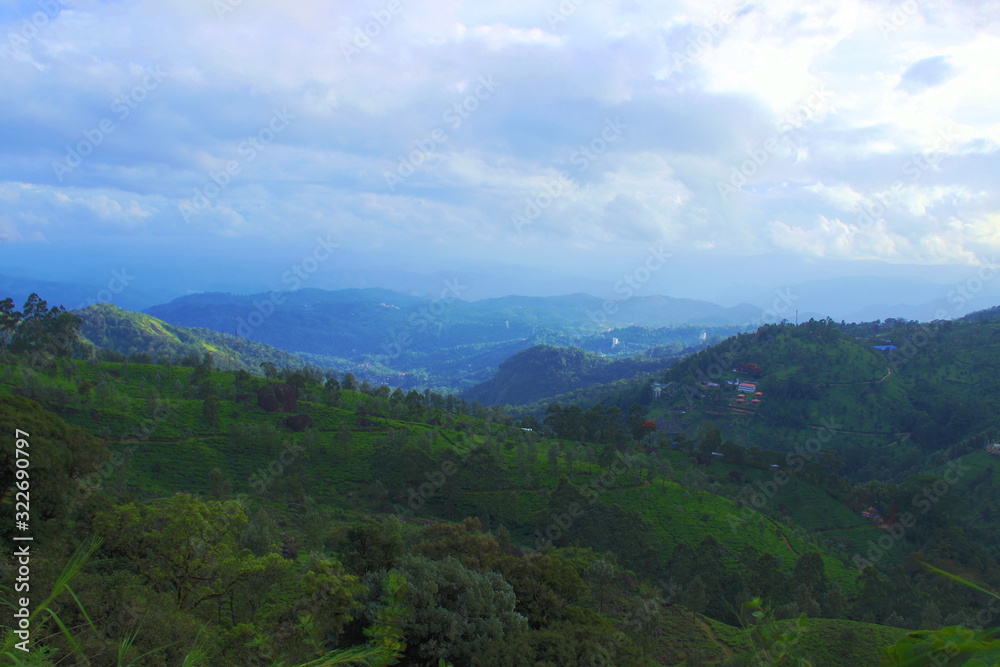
(447, 343)
(586, 313)
(544, 371)
(111, 328)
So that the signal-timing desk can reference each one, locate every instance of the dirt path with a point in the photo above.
(785, 540)
(710, 631)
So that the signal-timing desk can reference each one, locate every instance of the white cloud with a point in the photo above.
(850, 98)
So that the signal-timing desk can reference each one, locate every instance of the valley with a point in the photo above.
(642, 522)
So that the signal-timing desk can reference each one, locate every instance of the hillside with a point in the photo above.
(110, 328)
(881, 411)
(589, 535)
(544, 371)
(364, 456)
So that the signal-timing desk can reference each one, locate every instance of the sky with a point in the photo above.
(542, 145)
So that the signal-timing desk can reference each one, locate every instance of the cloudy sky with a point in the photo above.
(574, 138)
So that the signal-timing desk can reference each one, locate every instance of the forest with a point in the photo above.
(183, 514)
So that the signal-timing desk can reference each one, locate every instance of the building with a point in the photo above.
(993, 449)
(747, 387)
(872, 513)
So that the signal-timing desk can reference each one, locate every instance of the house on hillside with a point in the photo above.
(747, 387)
(873, 514)
(993, 449)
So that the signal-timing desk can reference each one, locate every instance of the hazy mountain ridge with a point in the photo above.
(406, 340)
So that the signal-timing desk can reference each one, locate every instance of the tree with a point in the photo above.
(875, 596)
(345, 441)
(243, 382)
(9, 319)
(774, 644)
(38, 328)
(834, 602)
(766, 579)
(64, 462)
(930, 618)
(709, 439)
(457, 613)
(613, 427)
(186, 546)
(466, 541)
(601, 574)
(553, 455)
(331, 396)
(647, 428)
(636, 416)
(210, 409)
(642, 622)
(372, 545)
(319, 603)
(733, 453)
(415, 403)
(221, 487)
(811, 571)
(350, 382)
(695, 596)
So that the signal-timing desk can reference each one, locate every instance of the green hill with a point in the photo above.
(884, 417)
(110, 328)
(545, 371)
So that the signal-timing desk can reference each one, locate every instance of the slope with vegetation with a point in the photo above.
(221, 518)
(545, 371)
(113, 331)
